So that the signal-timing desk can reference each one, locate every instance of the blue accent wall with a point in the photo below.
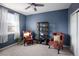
(9, 42)
(58, 22)
(22, 24)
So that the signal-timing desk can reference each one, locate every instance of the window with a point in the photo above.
(11, 18)
(12, 22)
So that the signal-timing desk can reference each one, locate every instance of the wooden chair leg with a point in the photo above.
(58, 50)
(24, 43)
(49, 46)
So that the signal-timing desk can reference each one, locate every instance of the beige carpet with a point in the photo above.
(34, 50)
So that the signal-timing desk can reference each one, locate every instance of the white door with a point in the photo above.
(73, 33)
(78, 33)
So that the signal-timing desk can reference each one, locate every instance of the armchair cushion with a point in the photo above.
(57, 38)
(27, 37)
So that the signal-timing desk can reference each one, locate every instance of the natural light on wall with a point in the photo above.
(13, 24)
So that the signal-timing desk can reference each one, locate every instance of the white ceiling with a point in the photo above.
(20, 7)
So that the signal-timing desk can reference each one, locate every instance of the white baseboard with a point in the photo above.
(7, 46)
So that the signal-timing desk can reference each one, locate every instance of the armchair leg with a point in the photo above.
(49, 46)
(58, 50)
(24, 43)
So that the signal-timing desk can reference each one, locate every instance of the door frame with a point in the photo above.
(75, 12)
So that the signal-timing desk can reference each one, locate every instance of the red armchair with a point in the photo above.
(58, 44)
(27, 36)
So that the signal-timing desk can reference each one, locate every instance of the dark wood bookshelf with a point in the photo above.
(43, 28)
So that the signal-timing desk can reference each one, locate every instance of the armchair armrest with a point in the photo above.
(52, 39)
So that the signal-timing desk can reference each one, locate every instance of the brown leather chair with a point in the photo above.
(27, 37)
